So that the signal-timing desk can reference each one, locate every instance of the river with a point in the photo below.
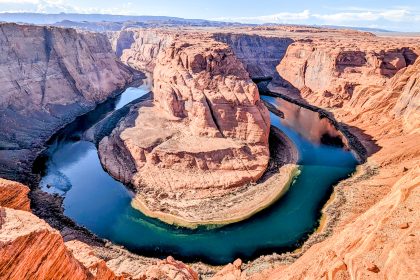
(93, 199)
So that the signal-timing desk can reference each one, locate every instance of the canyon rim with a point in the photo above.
(141, 147)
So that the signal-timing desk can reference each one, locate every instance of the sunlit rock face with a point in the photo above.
(14, 195)
(204, 134)
(375, 236)
(48, 77)
(328, 71)
(30, 248)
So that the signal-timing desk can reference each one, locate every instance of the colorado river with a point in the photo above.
(93, 199)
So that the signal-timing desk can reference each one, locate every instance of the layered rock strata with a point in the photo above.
(204, 138)
(14, 195)
(30, 249)
(139, 48)
(374, 212)
(49, 76)
(259, 54)
(329, 71)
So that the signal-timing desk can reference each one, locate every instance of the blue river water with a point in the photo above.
(95, 200)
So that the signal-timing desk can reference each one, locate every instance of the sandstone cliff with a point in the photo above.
(14, 195)
(328, 71)
(139, 48)
(259, 54)
(367, 86)
(375, 236)
(205, 134)
(49, 76)
(30, 249)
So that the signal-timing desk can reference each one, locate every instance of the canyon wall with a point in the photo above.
(259, 54)
(327, 71)
(139, 48)
(206, 115)
(376, 233)
(31, 249)
(49, 76)
(377, 236)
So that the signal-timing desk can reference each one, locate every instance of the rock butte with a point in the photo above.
(372, 85)
(202, 144)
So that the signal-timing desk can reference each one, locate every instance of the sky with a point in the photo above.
(397, 15)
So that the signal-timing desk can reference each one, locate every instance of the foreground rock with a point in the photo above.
(30, 249)
(48, 77)
(14, 195)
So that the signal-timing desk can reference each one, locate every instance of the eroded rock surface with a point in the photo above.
(205, 135)
(375, 233)
(329, 71)
(260, 54)
(14, 195)
(48, 77)
(374, 236)
(140, 48)
(31, 249)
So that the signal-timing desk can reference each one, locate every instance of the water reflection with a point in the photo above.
(305, 122)
(100, 203)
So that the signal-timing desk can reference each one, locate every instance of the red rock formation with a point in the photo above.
(14, 195)
(260, 54)
(170, 269)
(140, 48)
(375, 236)
(205, 133)
(206, 83)
(328, 71)
(96, 266)
(31, 249)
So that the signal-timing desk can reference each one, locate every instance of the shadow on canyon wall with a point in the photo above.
(259, 54)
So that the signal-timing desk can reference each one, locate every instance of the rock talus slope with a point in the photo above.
(49, 76)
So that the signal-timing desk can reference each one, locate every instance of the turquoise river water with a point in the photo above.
(93, 199)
